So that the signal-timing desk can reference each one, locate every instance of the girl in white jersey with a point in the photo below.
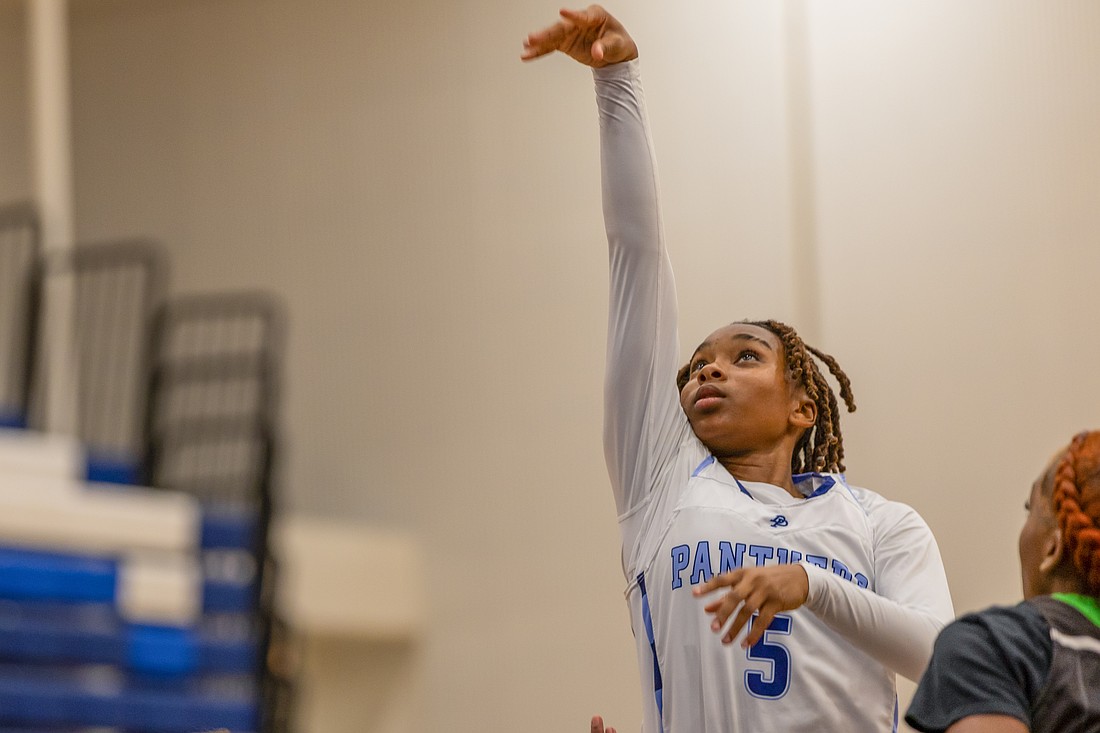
(735, 484)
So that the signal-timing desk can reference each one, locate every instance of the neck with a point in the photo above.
(1068, 584)
(1062, 578)
(762, 468)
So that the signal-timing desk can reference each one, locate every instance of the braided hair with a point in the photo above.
(820, 448)
(1076, 501)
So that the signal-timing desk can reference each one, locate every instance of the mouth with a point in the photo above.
(707, 396)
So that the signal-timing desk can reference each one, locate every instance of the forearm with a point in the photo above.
(988, 724)
(628, 166)
(899, 637)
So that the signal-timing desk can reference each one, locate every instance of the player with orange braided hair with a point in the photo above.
(1077, 505)
(1034, 667)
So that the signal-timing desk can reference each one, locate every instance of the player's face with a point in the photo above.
(737, 397)
(1037, 532)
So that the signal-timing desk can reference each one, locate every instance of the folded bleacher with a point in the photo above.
(136, 583)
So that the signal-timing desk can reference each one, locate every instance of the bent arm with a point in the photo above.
(988, 724)
(897, 624)
(643, 422)
(898, 637)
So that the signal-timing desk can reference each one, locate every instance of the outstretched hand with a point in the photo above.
(767, 591)
(597, 725)
(591, 36)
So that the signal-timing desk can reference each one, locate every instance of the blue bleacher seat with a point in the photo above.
(111, 468)
(101, 696)
(30, 575)
(12, 419)
(94, 634)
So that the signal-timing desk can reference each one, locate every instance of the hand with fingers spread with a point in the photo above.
(597, 725)
(765, 591)
(591, 36)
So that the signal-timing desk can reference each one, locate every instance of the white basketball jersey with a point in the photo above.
(801, 676)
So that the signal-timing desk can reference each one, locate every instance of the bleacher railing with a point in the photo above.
(20, 280)
(170, 630)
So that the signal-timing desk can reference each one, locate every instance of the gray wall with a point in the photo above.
(428, 206)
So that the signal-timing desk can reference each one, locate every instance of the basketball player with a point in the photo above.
(1033, 667)
(731, 482)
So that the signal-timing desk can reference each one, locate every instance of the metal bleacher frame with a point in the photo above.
(127, 415)
(20, 291)
(119, 288)
(196, 353)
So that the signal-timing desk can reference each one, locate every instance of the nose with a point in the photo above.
(710, 371)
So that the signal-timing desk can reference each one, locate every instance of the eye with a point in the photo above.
(748, 355)
(697, 365)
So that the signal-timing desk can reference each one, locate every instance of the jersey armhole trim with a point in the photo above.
(635, 509)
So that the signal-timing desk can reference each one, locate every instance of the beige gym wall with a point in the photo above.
(15, 182)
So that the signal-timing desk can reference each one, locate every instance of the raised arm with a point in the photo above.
(643, 423)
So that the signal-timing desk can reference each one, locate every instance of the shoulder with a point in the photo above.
(1011, 640)
(905, 550)
(1007, 626)
(991, 662)
(885, 514)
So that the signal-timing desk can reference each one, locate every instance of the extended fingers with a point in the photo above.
(581, 17)
(745, 612)
(725, 580)
(546, 40)
(533, 52)
(759, 625)
(576, 16)
(741, 602)
(723, 608)
(597, 725)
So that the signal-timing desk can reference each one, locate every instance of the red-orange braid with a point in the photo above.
(1076, 500)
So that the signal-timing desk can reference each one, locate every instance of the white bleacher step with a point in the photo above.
(65, 515)
(147, 587)
(159, 587)
(31, 453)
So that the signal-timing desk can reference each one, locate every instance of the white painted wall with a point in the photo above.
(428, 207)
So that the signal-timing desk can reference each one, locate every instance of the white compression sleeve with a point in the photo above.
(899, 638)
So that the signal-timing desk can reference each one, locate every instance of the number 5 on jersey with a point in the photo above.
(773, 685)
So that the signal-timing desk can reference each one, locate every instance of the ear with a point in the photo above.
(1053, 552)
(682, 377)
(803, 410)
